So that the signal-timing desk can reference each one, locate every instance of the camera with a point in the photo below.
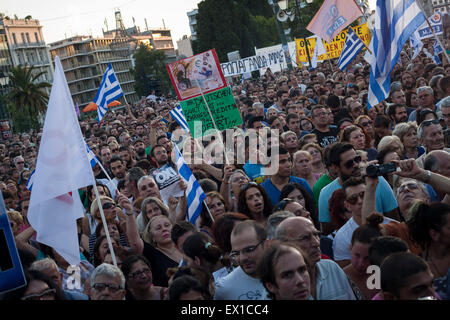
(375, 170)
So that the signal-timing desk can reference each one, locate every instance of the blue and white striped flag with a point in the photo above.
(395, 21)
(108, 92)
(178, 116)
(416, 44)
(437, 49)
(91, 156)
(353, 45)
(194, 192)
(29, 185)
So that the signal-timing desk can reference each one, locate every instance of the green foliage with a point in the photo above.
(150, 64)
(27, 99)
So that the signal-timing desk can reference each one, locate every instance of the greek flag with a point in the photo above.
(353, 45)
(194, 193)
(178, 116)
(437, 49)
(29, 185)
(91, 156)
(395, 21)
(108, 92)
(416, 44)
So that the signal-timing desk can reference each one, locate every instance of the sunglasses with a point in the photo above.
(366, 124)
(102, 286)
(350, 162)
(426, 123)
(108, 205)
(39, 296)
(411, 186)
(251, 183)
(354, 197)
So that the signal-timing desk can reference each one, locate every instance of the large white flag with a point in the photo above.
(319, 50)
(62, 168)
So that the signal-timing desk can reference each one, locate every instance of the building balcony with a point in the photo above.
(27, 45)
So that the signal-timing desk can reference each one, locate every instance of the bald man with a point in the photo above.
(438, 161)
(328, 280)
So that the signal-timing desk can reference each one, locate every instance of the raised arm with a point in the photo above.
(22, 241)
(225, 186)
(368, 206)
(135, 241)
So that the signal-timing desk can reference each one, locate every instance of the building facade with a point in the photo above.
(85, 59)
(442, 6)
(192, 15)
(22, 42)
(184, 47)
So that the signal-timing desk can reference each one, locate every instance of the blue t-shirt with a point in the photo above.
(274, 193)
(384, 198)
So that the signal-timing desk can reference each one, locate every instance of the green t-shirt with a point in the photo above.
(319, 185)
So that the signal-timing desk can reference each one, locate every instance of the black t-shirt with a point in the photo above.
(326, 138)
(159, 263)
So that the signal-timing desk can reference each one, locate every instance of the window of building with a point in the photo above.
(14, 38)
(36, 37)
(23, 37)
(28, 37)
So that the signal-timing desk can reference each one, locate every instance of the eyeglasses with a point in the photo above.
(20, 162)
(366, 123)
(102, 286)
(411, 186)
(108, 205)
(234, 255)
(138, 273)
(350, 162)
(426, 123)
(354, 197)
(47, 294)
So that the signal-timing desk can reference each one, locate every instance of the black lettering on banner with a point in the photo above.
(6, 262)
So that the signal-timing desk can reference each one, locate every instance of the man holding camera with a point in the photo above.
(345, 161)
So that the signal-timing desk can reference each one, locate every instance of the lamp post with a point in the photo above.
(276, 9)
(283, 5)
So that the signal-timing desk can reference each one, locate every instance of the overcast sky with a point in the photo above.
(61, 19)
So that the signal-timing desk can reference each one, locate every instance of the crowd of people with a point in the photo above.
(330, 218)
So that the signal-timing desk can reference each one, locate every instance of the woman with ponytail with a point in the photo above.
(429, 227)
(201, 252)
(362, 238)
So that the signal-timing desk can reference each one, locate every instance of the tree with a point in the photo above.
(150, 71)
(27, 98)
(298, 26)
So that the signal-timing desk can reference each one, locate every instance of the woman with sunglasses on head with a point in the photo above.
(232, 182)
(254, 202)
(138, 275)
(357, 136)
(366, 122)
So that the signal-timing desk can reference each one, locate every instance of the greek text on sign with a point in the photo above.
(252, 63)
(334, 48)
(223, 109)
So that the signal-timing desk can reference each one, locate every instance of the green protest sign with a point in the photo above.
(222, 106)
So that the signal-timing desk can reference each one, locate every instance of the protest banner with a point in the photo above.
(11, 271)
(334, 48)
(253, 63)
(223, 109)
(203, 67)
(167, 180)
(424, 31)
(5, 129)
(332, 17)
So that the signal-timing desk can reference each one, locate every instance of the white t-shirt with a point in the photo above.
(343, 239)
(239, 286)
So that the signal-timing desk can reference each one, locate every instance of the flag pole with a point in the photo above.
(432, 30)
(105, 226)
(210, 215)
(214, 122)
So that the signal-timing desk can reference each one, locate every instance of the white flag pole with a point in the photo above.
(210, 215)
(214, 122)
(105, 226)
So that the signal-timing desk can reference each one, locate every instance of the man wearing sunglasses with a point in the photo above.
(247, 250)
(345, 161)
(107, 283)
(354, 189)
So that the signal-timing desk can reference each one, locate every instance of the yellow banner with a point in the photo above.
(334, 48)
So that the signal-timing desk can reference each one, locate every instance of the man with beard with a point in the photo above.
(159, 155)
(247, 249)
(325, 134)
(118, 169)
(139, 149)
(327, 280)
(124, 154)
(397, 113)
(276, 182)
(345, 162)
(408, 80)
